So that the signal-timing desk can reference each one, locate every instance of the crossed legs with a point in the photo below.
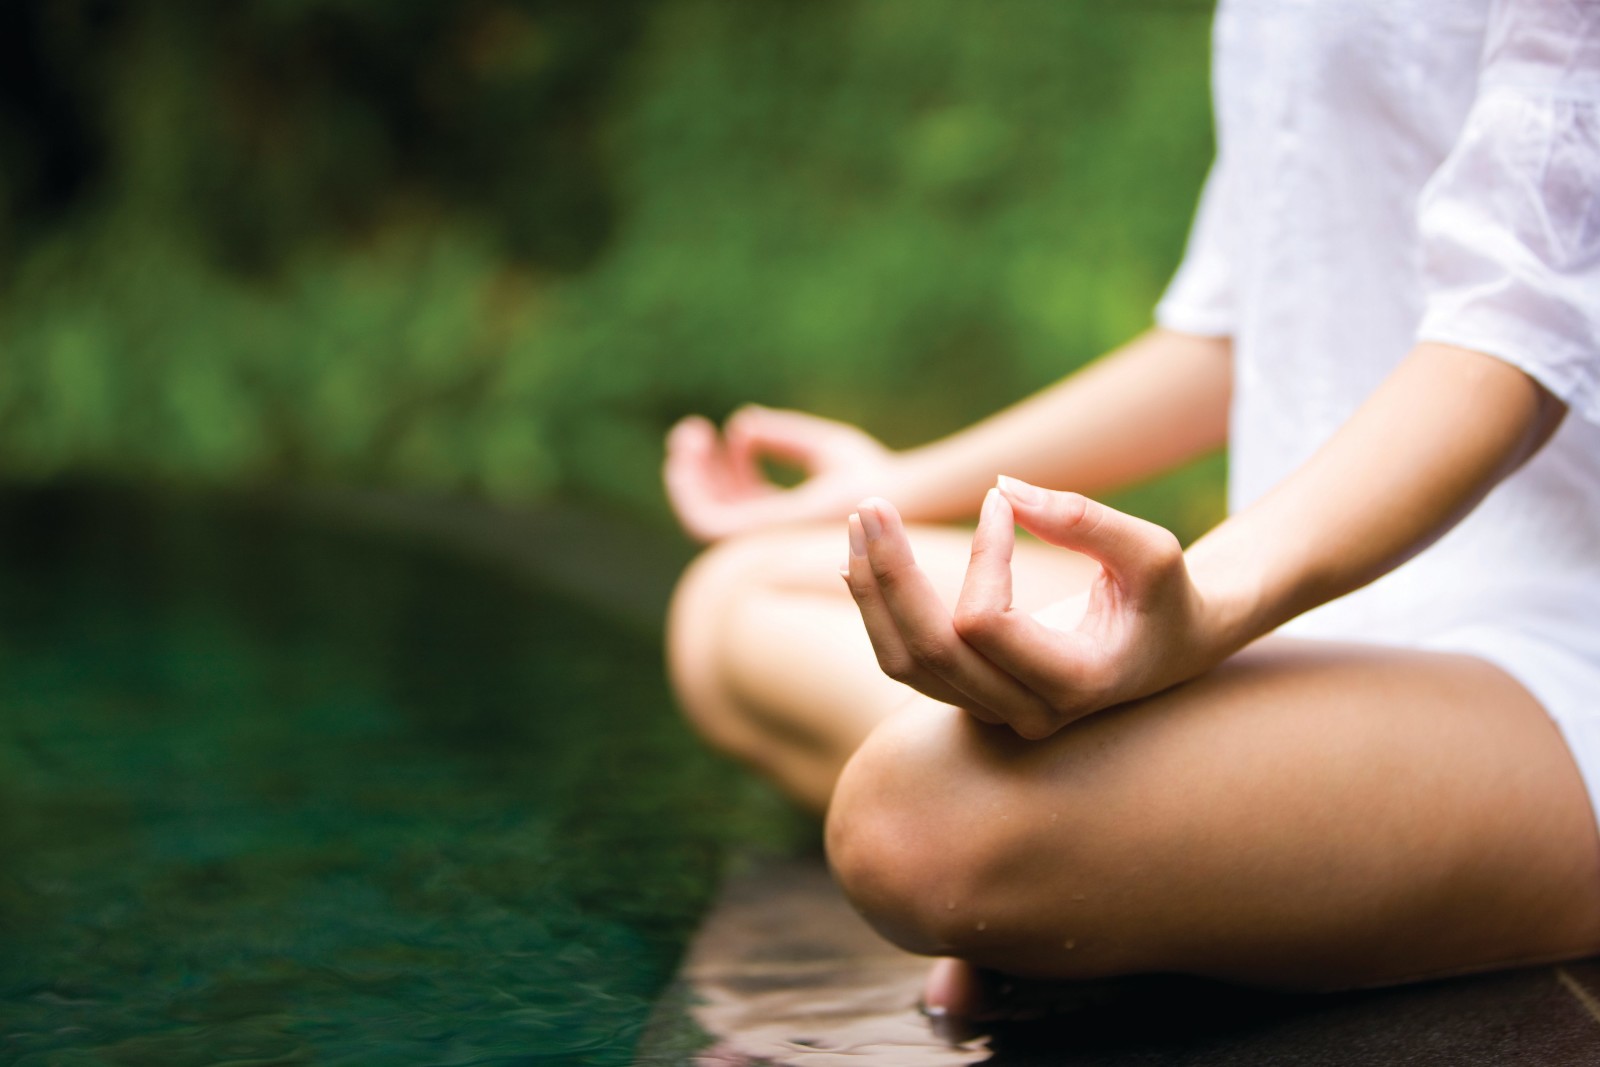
(770, 661)
(1308, 815)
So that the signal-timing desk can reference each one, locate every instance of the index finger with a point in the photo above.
(925, 625)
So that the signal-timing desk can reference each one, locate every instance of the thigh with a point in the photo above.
(769, 657)
(1309, 814)
(793, 638)
(806, 560)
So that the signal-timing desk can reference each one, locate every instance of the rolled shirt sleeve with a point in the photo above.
(1510, 222)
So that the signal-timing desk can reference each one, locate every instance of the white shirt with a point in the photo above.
(1391, 171)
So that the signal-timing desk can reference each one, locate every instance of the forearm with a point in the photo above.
(1143, 409)
(1416, 457)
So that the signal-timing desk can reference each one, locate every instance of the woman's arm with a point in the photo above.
(1142, 409)
(1429, 444)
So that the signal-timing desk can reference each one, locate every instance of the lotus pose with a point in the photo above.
(1351, 735)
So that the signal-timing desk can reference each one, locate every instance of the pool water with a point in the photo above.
(276, 793)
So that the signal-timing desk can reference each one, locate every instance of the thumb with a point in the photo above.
(1129, 548)
(791, 436)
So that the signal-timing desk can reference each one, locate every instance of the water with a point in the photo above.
(277, 794)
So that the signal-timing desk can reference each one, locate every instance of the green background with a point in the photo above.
(496, 248)
(277, 791)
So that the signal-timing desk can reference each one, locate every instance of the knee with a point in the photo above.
(920, 838)
(702, 641)
(695, 650)
(698, 600)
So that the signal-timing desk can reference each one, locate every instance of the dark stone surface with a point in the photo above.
(1527, 1016)
(783, 972)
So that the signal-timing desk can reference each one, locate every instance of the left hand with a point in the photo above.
(1141, 630)
(717, 487)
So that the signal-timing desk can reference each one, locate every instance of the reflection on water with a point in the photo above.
(275, 794)
(784, 973)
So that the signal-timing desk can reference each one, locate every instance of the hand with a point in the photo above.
(717, 488)
(1141, 628)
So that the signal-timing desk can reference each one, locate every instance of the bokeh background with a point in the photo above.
(398, 780)
(496, 247)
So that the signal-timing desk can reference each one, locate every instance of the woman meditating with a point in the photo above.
(1350, 736)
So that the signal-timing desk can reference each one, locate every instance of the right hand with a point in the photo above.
(717, 487)
(1140, 627)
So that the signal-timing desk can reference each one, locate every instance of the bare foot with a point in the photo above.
(955, 990)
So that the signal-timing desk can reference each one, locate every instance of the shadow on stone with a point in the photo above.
(784, 973)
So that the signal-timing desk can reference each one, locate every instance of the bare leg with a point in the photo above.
(770, 660)
(1308, 815)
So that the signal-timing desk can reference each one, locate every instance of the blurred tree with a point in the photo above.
(50, 148)
(274, 120)
(497, 246)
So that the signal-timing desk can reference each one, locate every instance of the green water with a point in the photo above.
(278, 794)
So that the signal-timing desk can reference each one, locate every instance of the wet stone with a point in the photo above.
(783, 972)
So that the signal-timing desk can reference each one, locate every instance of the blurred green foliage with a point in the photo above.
(497, 247)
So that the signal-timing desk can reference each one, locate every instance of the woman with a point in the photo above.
(1352, 735)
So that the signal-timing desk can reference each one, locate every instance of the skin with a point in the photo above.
(1154, 615)
(1142, 409)
(1106, 768)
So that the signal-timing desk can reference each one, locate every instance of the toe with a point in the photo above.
(954, 989)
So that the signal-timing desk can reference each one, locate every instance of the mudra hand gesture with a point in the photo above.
(1138, 629)
(717, 487)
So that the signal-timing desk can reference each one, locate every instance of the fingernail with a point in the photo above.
(871, 524)
(989, 500)
(1019, 490)
(858, 538)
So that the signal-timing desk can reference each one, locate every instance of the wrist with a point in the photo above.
(928, 484)
(1235, 604)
